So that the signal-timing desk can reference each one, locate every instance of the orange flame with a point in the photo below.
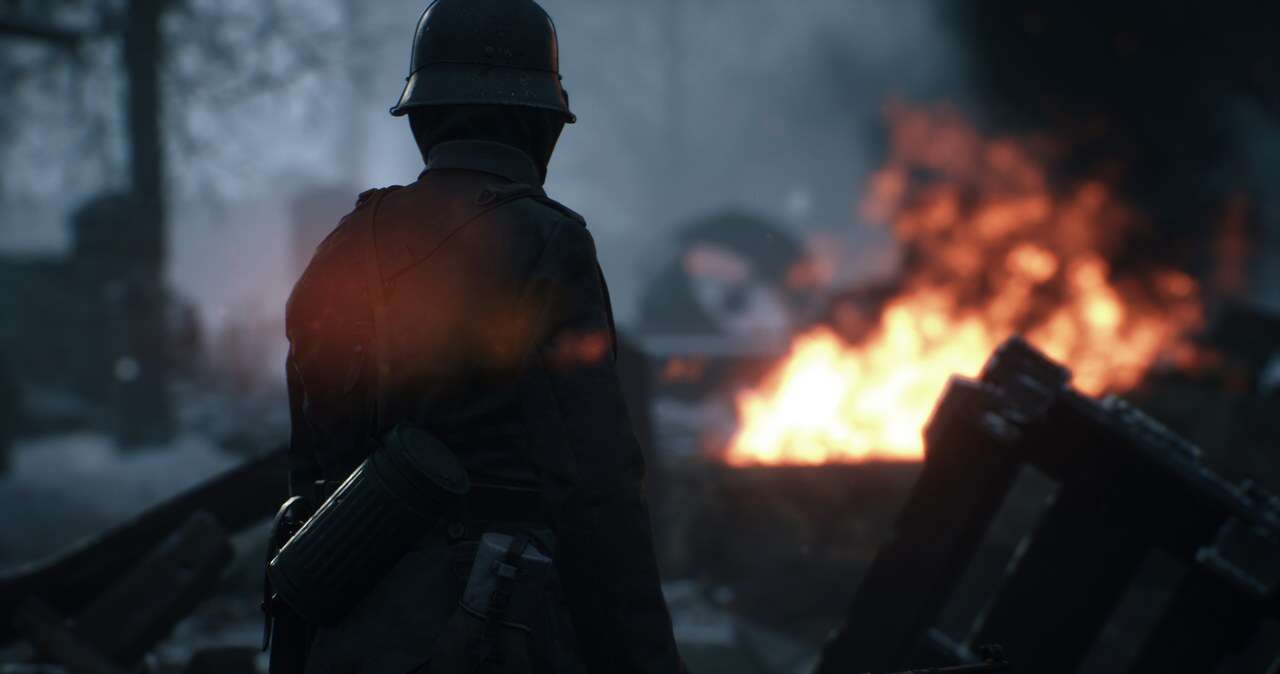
(989, 250)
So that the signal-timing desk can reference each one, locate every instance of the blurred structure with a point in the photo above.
(719, 310)
(93, 346)
(114, 278)
(135, 81)
(729, 276)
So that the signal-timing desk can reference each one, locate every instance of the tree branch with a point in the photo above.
(43, 32)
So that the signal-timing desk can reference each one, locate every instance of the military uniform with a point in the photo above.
(499, 339)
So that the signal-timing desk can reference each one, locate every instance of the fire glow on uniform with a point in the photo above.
(991, 247)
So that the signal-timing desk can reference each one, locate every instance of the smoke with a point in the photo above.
(687, 107)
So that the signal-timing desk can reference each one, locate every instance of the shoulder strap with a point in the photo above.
(461, 217)
(377, 301)
(489, 200)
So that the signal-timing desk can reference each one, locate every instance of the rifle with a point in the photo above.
(993, 660)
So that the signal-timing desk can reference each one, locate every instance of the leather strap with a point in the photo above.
(378, 303)
(488, 200)
(508, 571)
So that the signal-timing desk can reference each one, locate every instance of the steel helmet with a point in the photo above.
(501, 52)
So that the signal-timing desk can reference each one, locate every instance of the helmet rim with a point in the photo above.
(482, 84)
(496, 52)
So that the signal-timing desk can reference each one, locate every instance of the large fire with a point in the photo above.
(990, 248)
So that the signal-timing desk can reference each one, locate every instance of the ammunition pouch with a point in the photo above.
(369, 522)
(490, 630)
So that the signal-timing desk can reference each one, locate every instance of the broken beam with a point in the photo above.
(238, 498)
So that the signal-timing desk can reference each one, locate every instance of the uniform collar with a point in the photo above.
(485, 156)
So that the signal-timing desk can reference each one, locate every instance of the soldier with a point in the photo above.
(463, 318)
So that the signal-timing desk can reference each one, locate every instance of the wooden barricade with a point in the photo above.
(1126, 487)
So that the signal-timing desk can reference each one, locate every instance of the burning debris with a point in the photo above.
(991, 246)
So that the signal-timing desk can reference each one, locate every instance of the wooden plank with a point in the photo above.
(237, 498)
(142, 607)
(40, 32)
(54, 639)
(964, 482)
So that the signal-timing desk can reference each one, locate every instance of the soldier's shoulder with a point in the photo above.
(524, 210)
(559, 209)
(347, 223)
(367, 197)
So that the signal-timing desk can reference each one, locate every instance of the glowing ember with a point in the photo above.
(990, 250)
